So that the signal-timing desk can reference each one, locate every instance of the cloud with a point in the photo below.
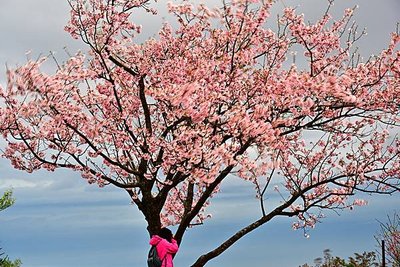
(20, 183)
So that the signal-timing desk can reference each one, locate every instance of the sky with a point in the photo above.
(59, 220)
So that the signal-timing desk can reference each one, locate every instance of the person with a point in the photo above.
(166, 246)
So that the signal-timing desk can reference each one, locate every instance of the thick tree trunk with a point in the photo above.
(153, 225)
(151, 209)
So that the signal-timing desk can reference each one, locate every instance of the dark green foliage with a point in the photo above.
(366, 259)
(6, 262)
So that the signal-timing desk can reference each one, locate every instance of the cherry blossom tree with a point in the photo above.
(216, 94)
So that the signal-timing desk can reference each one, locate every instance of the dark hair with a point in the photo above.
(166, 234)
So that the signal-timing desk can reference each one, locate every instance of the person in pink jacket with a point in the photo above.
(166, 246)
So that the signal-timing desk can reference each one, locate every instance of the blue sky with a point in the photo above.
(59, 220)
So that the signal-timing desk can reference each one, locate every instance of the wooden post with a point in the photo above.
(383, 254)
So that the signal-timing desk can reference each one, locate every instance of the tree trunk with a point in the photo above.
(151, 209)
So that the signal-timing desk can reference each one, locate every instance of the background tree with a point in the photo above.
(6, 200)
(171, 119)
(6, 262)
(366, 259)
(390, 233)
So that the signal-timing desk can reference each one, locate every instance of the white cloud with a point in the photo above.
(21, 183)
